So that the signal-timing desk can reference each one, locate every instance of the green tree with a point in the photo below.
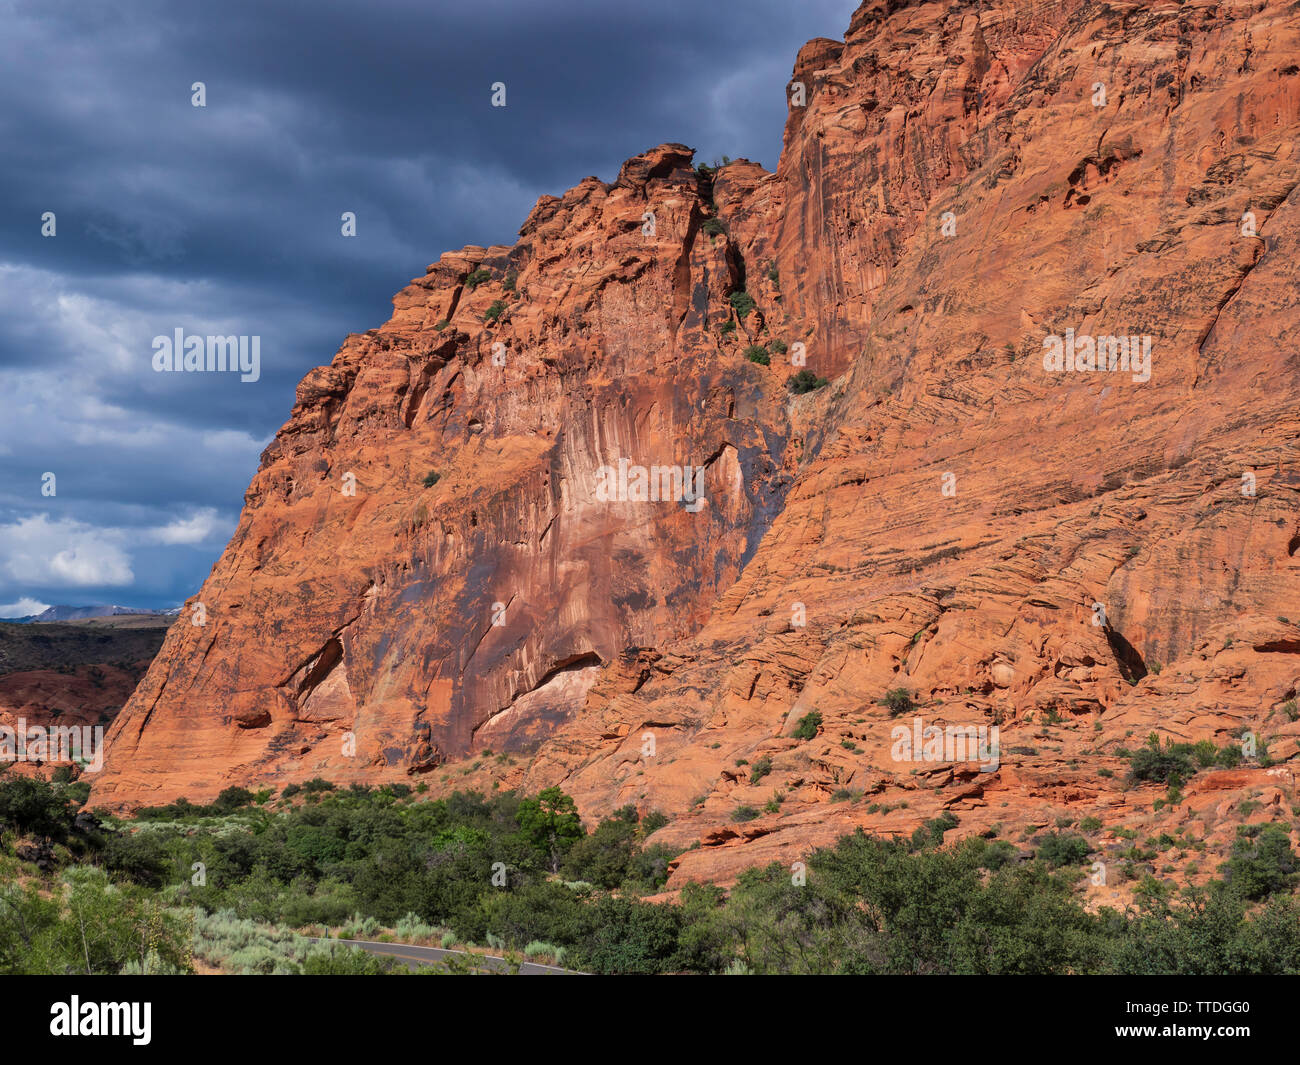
(1262, 861)
(31, 805)
(551, 824)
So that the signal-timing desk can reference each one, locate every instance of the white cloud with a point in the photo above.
(38, 551)
(233, 444)
(192, 530)
(25, 607)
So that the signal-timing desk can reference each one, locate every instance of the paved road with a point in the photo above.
(416, 956)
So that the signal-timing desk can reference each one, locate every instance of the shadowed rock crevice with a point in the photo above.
(1127, 658)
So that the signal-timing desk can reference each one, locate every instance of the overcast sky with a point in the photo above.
(226, 219)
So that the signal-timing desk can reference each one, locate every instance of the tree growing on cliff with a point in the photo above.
(804, 381)
(898, 701)
(742, 302)
(809, 725)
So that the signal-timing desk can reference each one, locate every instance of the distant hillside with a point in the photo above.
(60, 647)
(74, 673)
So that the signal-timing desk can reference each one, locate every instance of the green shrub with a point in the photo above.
(760, 769)
(78, 792)
(1063, 848)
(153, 965)
(494, 312)
(744, 813)
(809, 725)
(1171, 764)
(805, 381)
(604, 857)
(33, 806)
(742, 303)
(87, 926)
(336, 959)
(140, 856)
(1262, 861)
(231, 799)
(411, 927)
(360, 927)
(537, 949)
(652, 822)
(431, 478)
(755, 353)
(898, 701)
(932, 831)
(714, 227)
(477, 278)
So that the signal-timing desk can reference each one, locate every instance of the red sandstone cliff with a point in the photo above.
(943, 517)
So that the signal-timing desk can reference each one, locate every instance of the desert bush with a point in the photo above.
(808, 725)
(742, 303)
(805, 381)
(1170, 764)
(1262, 861)
(1059, 849)
(898, 701)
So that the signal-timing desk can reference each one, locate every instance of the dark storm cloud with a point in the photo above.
(226, 218)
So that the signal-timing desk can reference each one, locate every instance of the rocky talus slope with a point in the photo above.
(1079, 558)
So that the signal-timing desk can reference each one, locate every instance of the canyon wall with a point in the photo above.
(1076, 556)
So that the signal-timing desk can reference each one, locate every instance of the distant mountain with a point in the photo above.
(80, 613)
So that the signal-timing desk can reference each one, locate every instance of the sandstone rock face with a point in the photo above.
(1076, 556)
(605, 463)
